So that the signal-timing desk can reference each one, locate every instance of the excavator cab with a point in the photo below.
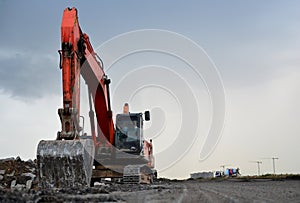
(129, 132)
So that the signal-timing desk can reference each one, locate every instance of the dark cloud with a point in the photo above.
(29, 75)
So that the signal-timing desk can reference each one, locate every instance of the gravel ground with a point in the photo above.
(18, 183)
(166, 191)
(239, 191)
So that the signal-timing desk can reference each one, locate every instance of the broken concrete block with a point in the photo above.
(99, 184)
(13, 184)
(19, 187)
(28, 184)
(1, 177)
(2, 172)
(11, 174)
(32, 176)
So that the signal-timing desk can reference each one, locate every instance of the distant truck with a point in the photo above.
(229, 172)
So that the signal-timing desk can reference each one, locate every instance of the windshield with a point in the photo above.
(128, 133)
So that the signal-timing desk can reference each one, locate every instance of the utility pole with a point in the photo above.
(274, 158)
(258, 166)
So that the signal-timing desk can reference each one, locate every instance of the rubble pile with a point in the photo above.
(17, 174)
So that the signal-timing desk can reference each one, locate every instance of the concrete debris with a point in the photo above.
(11, 174)
(31, 175)
(19, 187)
(13, 184)
(28, 184)
(99, 184)
(30, 169)
(17, 174)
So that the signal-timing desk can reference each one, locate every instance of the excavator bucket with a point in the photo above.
(65, 163)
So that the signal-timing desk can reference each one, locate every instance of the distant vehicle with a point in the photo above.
(232, 172)
(219, 174)
(229, 172)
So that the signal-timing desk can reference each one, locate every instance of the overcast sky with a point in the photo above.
(255, 45)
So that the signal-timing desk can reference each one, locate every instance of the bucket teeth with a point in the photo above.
(65, 163)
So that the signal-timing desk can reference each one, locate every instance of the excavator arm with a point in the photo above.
(68, 160)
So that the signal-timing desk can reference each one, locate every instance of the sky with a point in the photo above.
(254, 45)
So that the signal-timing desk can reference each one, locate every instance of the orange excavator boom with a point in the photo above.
(78, 58)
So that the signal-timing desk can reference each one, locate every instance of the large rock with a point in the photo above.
(65, 163)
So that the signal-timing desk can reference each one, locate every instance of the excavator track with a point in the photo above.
(138, 174)
(65, 163)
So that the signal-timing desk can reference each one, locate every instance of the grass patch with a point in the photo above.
(272, 176)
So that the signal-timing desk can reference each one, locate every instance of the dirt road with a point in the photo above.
(231, 190)
(239, 191)
(221, 191)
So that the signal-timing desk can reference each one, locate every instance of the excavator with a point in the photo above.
(75, 159)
